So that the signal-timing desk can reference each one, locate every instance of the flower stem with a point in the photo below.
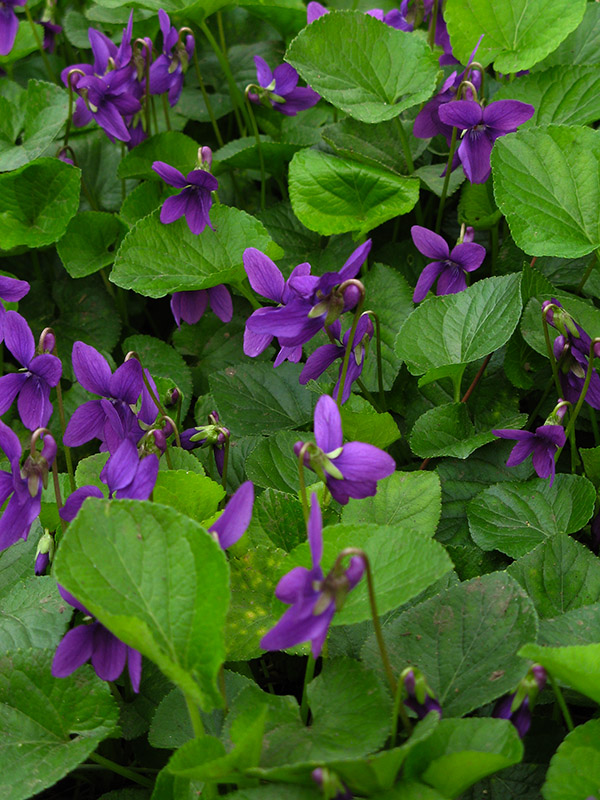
(119, 770)
(440, 214)
(233, 89)
(433, 24)
(561, 703)
(308, 676)
(225, 463)
(410, 165)
(40, 46)
(586, 383)
(399, 711)
(207, 103)
(379, 359)
(165, 105)
(302, 491)
(551, 351)
(57, 495)
(63, 427)
(588, 272)
(260, 152)
(357, 316)
(70, 112)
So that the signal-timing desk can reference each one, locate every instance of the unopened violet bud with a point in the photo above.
(172, 397)
(539, 675)
(168, 428)
(205, 157)
(44, 553)
(332, 786)
(558, 413)
(351, 297)
(41, 563)
(469, 235)
(419, 697)
(49, 450)
(65, 155)
(47, 341)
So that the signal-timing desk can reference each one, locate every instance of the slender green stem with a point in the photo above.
(561, 703)
(399, 712)
(440, 214)
(157, 402)
(59, 503)
(123, 186)
(302, 492)
(550, 351)
(70, 111)
(536, 410)
(586, 383)
(233, 89)
(225, 462)
(147, 101)
(195, 717)
(260, 152)
(594, 422)
(588, 272)
(154, 117)
(207, 103)
(308, 676)
(357, 316)
(165, 105)
(369, 396)
(123, 771)
(432, 25)
(63, 427)
(410, 165)
(221, 32)
(40, 46)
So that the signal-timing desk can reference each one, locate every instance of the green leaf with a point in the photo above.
(518, 33)
(163, 361)
(464, 640)
(158, 581)
(409, 500)
(172, 147)
(542, 187)
(574, 627)
(433, 179)
(580, 47)
(591, 463)
(243, 154)
(403, 564)
(390, 297)
(16, 561)
(273, 463)
(447, 430)
(384, 71)
(574, 770)
(459, 328)
(187, 492)
(44, 109)
(560, 575)
(280, 516)
(48, 725)
(461, 752)
(253, 582)
(577, 666)
(362, 423)
(156, 259)
(585, 314)
(476, 206)
(32, 615)
(335, 195)
(143, 200)
(563, 95)
(89, 243)
(36, 202)
(25, 44)
(515, 517)
(256, 398)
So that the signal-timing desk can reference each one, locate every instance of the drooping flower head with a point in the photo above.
(190, 306)
(349, 470)
(324, 356)
(542, 445)
(93, 642)
(280, 90)
(166, 73)
(312, 596)
(22, 486)
(482, 126)
(194, 201)
(308, 302)
(214, 435)
(32, 384)
(449, 268)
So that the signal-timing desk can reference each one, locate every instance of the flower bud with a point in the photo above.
(44, 553)
(47, 341)
(172, 397)
(205, 157)
(419, 697)
(332, 786)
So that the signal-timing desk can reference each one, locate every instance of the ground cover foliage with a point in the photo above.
(299, 449)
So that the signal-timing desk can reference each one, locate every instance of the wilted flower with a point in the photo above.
(194, 201)
(313, 597)
(449, 268)
(280, 89)
(96, 643)
(349, 470)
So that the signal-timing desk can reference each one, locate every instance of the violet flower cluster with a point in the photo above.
(114, 89)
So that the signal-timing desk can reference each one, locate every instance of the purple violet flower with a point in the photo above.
(235, 518)
(280, 89)
(9, 24)
(449, 268)
(419, 697)
(309, 303)
(313, 597)
(50, 33)
(190, 306)
(109, 99)
(482, 126)
(127, 476)
(96, 643)
(194, 201)
(572, 371)
(23, 485)
(324, 356)
(212, 434)
(110, 419)
(349, 470)
(76, 499)
(166, 73)
(11, 291)
(517, 707)
(543, 444)
(396, 18)
(33, 384)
